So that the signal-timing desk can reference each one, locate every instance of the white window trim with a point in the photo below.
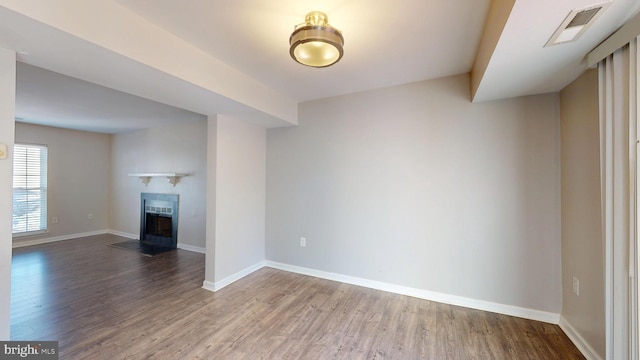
(42, 230)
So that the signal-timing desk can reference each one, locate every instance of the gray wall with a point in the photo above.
(78, 179)
(413, 185)
(172, 149)
(582, 246)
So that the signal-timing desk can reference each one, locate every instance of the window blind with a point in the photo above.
(29, 188)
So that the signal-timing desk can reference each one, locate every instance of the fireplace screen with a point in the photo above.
(158, 225)
(159, 219)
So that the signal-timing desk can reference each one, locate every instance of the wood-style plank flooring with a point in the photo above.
(101, 302)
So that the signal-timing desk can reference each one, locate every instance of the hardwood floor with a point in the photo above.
(100, 302)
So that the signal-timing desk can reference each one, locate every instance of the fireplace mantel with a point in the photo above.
(146, 177)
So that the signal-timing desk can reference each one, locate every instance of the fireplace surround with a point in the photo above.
(159, 220)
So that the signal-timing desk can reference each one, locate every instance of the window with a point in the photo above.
(29, 189)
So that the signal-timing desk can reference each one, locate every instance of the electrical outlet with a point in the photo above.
(576, 286)
(54, 220)
(303, 241)
(90, 216)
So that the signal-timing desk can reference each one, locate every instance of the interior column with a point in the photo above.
(7, 134)
(210, 243)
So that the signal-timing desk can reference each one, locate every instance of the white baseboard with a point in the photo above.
(424, 294)
(215, 286)
(187, 247)
(24, 242)
(124, 234)
(578, 340)
(208, 285)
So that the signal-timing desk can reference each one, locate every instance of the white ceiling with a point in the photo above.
(48, 98)
(387, 42)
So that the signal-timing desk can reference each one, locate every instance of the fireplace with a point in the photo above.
(159, 220)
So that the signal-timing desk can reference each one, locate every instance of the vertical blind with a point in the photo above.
(619, 93)
(29, 188)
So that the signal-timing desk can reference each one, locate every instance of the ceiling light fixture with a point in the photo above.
(315, 43)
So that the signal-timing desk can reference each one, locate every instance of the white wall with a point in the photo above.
(415, 186)
(7, 113)
(78, 179)
(582, 244)
(172, 149)
(240, 198)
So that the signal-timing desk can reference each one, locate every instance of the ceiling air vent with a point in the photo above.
(576, 23)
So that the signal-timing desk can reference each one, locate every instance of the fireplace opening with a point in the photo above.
(158, 225)
(159, 220)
